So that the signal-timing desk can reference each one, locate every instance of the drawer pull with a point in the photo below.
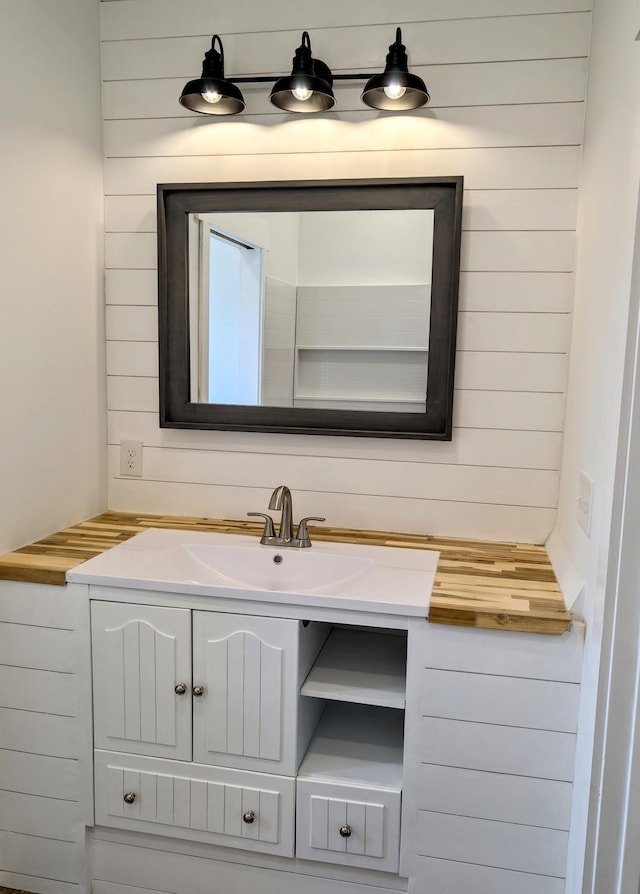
(130, 797)
(181, 688)
(345, 831)
(249, 816)
(198, 691)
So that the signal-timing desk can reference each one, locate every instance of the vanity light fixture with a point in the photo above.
(212, 93)
(309, 86)
(396, 89)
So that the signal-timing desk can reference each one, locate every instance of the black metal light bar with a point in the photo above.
(309, 86)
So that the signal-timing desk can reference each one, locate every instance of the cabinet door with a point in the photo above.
(142, 679)
(247, 669)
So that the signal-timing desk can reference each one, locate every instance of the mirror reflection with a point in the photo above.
(310, 309)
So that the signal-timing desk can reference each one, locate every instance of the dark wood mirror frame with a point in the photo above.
(177, 201)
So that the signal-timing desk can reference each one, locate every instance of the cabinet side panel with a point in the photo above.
(516, 655)
(487, 843)
(512, 701)
(499, 796)
(446, 875)
(59, 861)
(489, 755)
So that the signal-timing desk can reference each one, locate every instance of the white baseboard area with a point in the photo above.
(125, 861)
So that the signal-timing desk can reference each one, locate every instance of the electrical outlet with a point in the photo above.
(131, 458)
(584, 502)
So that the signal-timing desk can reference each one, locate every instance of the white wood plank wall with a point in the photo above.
(491, 740)
(44, 740)
(507, 79)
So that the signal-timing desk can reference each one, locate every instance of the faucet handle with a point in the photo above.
(303, 533)
(269, 530)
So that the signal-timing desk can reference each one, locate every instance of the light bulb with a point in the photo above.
(212, 96)
(394, 90)
(302, 93)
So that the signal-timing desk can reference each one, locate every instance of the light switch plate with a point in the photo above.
(584, 502)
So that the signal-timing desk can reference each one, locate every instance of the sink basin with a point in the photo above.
(273, 568)
(387, 579)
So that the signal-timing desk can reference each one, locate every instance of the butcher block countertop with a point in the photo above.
(497, 586)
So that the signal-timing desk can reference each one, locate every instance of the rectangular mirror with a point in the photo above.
(309, 307)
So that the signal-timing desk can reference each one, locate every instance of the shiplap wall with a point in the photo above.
(507, 79)
(45, 739)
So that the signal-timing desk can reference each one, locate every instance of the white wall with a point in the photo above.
(52, 469)
(607, 230)
(507, 80)
(358, 248)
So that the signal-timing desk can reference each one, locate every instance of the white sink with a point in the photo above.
(273, 568)
(386, 579)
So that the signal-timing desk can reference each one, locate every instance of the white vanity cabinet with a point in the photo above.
(492, 721)
(211, 687)
(198, 725)
(383, 758)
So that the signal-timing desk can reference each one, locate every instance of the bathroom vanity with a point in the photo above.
(322, 738)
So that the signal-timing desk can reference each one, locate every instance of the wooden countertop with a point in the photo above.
(498, 586)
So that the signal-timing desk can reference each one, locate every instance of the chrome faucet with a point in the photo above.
(281, 501)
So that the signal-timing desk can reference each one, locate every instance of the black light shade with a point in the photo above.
(308, 87)
(396, 90)
(211, 93)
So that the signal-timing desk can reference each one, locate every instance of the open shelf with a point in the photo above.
(357, 373)
(360, 666)
(359, 744)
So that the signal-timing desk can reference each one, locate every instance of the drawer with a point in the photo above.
(348, 824)
(235, 808)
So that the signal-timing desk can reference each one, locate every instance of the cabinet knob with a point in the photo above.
(181, 688)
(249, 816)
(130, 797)
(345, 831)
(198, 691)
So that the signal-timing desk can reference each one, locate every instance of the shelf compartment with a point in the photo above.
(360, 666)
(356, 745)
